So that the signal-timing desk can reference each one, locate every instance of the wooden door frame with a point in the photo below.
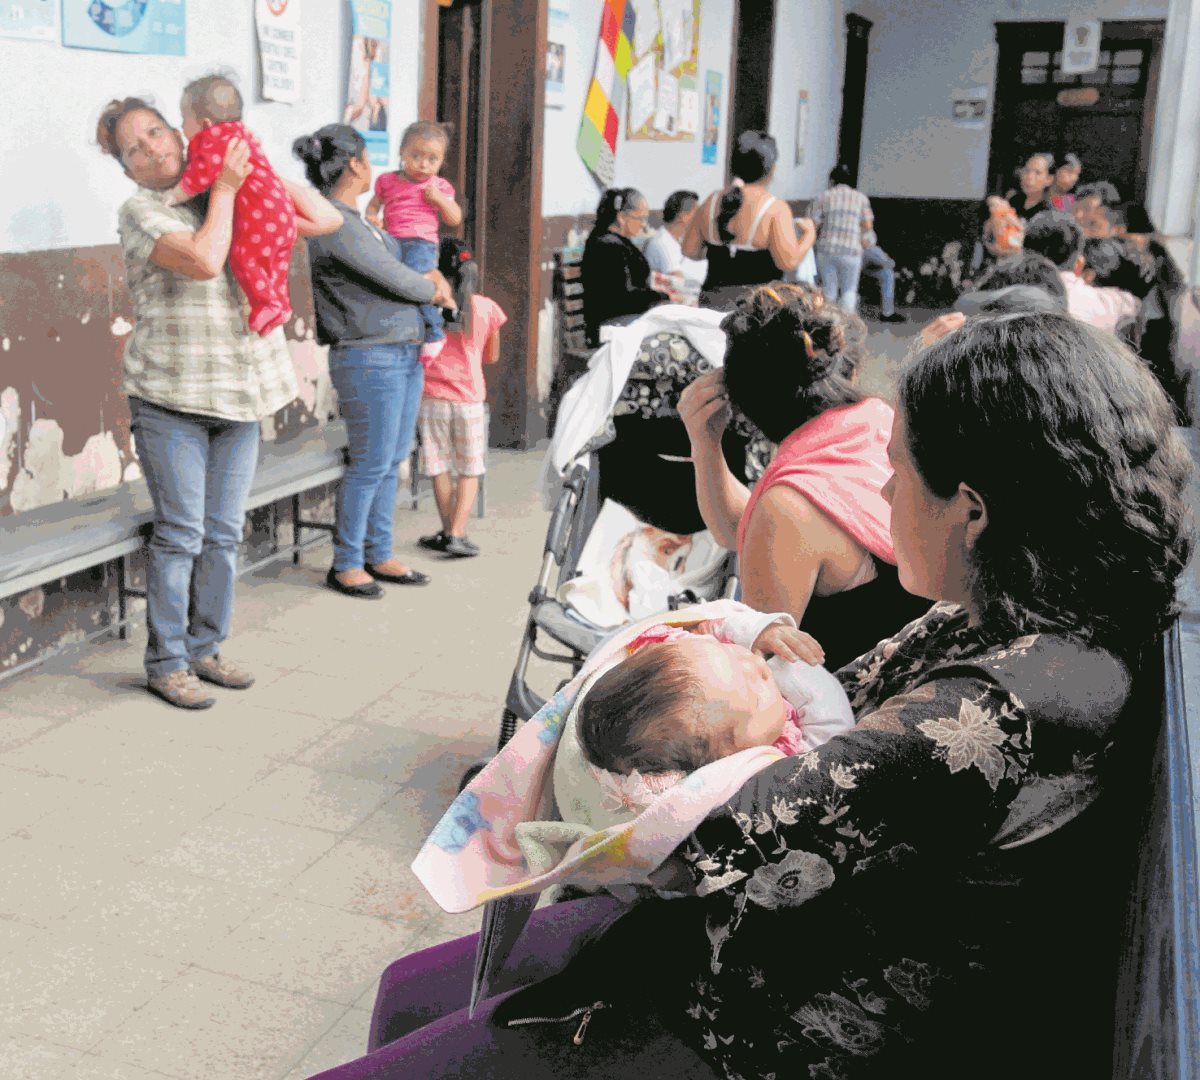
(856, 25)
(508, 214)
(753, 49)
(1122, 29)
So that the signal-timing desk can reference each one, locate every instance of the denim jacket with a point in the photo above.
(363, 293)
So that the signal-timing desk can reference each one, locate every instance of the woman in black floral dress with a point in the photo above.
(914, 898)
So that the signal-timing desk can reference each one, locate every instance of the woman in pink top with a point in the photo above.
(413, 200)
(814, 537)
(453, 416)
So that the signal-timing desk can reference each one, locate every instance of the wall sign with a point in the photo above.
(128, 26)
(35, 20)
(1081, 47)
(368, 86)
(557, 35)
(278, 25)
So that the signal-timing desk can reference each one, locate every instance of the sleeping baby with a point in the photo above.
(687, 696)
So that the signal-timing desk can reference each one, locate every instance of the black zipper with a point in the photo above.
(585, 1012)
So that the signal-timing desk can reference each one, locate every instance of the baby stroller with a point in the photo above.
(641, 461)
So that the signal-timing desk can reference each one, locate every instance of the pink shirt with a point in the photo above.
(457, 372)
(406, 214)
(1100, 307)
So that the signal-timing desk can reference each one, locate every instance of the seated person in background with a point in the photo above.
(1092, 203)
(1032, 196)
(878, 263)
(663, 252)
(1061, 241)
(1066, 176)
(616, 275)
(688, 696)
(1027, 269)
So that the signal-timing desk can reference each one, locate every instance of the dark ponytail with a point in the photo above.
(754, 156)
(614, 201)
(457, 265)
(790, 356)
(327, 152)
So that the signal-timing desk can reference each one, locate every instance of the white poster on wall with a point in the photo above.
(643, 91)
(666, 116)
(689, 111)
(646, 27)
(278, 23)
(1081, 47)
(35, 20)
(556, 54)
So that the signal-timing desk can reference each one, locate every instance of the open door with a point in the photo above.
(854, 94)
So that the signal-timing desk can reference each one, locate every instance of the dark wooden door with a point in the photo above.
(750, 84)
(1106, 116)
(854, 93)
(459, 79)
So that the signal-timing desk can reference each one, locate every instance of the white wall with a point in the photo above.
(919, 53)
(809, 54)
(59, 191)
(655, 168)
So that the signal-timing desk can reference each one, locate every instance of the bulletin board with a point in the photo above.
(663, 99)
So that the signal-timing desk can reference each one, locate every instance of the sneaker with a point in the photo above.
(436, 542)
(181, 689)
(894, 317)
(459, 547)
(221, 672)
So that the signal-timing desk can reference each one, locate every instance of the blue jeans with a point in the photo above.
(422, 256)
(878, 263)
(379, 389)
(199, 470)
(839, 278)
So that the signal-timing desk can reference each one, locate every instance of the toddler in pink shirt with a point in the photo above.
(688, 696)
(410, 203)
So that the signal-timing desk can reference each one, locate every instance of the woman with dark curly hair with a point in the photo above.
(812, 537)
(932, 893)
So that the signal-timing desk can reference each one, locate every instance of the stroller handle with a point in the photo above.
(563, 515)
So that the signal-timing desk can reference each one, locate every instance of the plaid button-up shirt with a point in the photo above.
(839, 214)
(190, 349)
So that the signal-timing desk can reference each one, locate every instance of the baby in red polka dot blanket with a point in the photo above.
(264, 218)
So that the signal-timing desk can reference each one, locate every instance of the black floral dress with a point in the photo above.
(860, 901)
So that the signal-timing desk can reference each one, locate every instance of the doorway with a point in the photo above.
(750, 83)
(854, 94)
(1105, 116)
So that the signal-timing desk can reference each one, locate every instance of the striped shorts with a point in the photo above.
(453, 437)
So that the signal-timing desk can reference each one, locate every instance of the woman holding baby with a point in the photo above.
(200, 382)
(911, 897)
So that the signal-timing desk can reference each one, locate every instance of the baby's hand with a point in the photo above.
(432, 195)
(789, 644)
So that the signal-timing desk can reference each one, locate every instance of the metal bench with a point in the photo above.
(64, 538)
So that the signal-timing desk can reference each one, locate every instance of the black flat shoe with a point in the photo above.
(411, 577)
(436, 542)
(367, 591)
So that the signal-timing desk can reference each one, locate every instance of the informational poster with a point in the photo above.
(370, 75)
(801, 125)
(278, 23)
(666, 114)
(666, 49)
(34, 20)
(556, 54)
(1081, 46)
(129, 26)
(968, 107)
(712, 117)
(643, 92)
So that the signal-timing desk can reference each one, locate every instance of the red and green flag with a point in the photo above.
(606, 96)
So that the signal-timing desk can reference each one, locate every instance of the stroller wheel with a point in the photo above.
(508, 727)
(470, 774)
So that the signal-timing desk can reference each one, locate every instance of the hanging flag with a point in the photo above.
(614, 57)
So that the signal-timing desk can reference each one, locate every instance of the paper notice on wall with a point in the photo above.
(642, 93)
(35, 20)
(278, 24)
(1081, 46)
(666, 115)
(152, 27)
(712, 117)
(368, 89)
(646, 28)
(968, 107)
(676, 32)
(689, 111)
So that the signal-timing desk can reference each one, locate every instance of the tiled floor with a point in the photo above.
(214, 895)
